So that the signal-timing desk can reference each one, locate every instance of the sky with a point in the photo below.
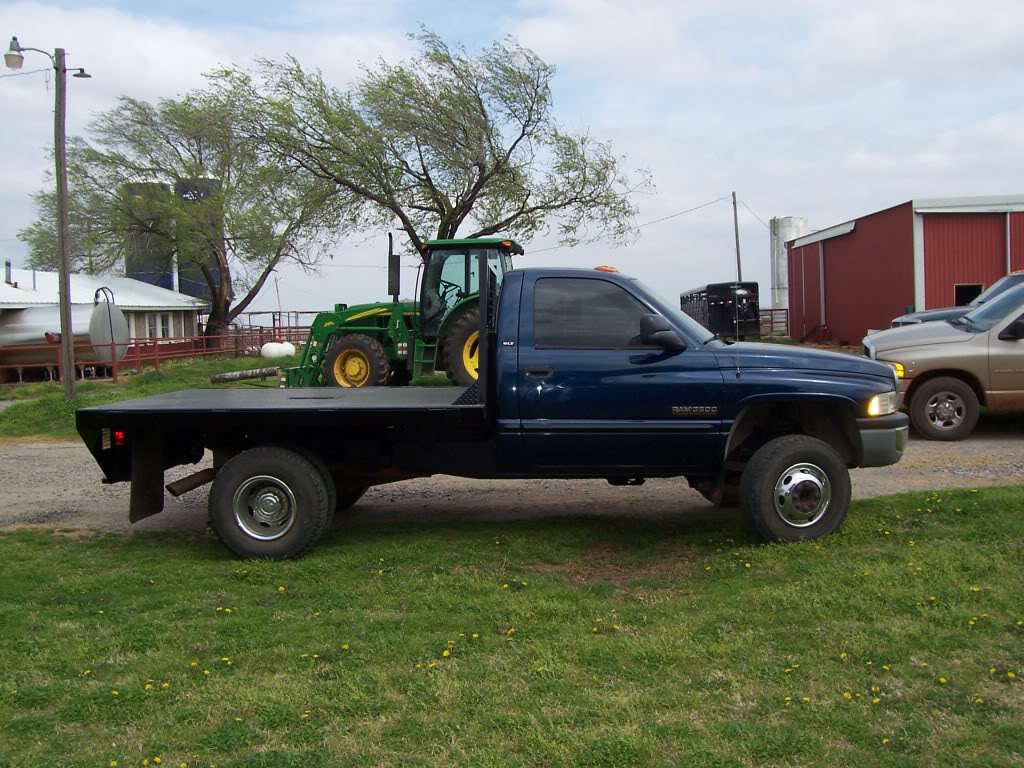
(824, 109)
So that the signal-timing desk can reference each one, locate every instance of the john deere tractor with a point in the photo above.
(380, 344)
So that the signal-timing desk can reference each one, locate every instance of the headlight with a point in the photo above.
(884, 404)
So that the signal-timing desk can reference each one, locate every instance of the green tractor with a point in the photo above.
(368, 345)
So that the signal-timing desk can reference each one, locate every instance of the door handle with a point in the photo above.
(538, 373)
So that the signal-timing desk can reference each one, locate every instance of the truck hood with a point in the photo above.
(919, 335)
(931, 315)
(755, 355)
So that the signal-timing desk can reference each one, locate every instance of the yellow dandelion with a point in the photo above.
(932, 598)
(796, 666)
(843, 655)
(147, 687)
(978, 700)
(281, 588)
(992, 670)
(942, 681)
(924, 665)
(115, 693)
(445, 653)
(847, 695)
(885, 667)
(885, 741)
(87, 673)
(157, 759)
(788, 699)
(806, 699)
(975, 589)
(113, 764)
(504, 586)
(876, 700)
(344, 646)
(182, 765)
(165, 685)
(227, 610)
(206, 673)
(1011, 675)
(593, 629)
(380, 571)
(194, 664)
(875, 689)
(787, 670)
(476, 635)
(746, 565)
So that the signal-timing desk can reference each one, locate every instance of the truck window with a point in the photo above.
(582, 313)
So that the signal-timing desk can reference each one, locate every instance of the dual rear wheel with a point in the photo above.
(275, 503)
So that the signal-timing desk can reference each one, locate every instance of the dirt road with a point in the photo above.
(58, 485)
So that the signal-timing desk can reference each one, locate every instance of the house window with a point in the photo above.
(152, 329)
(166, 329)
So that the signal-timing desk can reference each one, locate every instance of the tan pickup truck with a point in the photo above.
(949, 369)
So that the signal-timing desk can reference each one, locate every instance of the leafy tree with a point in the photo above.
(180, 179)
(445, 142)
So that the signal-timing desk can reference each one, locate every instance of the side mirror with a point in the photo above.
(1014, 331)
(655, 330)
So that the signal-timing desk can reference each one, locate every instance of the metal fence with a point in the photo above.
(46, 359)
(775, 322)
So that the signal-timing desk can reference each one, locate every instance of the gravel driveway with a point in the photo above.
(58, 485)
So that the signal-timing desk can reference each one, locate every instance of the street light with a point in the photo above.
(14, 58)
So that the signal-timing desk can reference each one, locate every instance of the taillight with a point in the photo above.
(118, 438)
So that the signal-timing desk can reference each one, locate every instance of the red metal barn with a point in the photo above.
(923, 254)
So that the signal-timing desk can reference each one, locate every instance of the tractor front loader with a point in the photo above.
(390, 343)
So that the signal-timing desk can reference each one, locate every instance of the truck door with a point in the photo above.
(1006, 367)
(591, 399)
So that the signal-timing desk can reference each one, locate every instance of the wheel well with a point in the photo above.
(964, 376)
(834, 424)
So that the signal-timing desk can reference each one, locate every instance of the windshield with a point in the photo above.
(1004, 283)
(677, 316)
(985, 317)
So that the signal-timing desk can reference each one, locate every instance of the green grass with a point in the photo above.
(614, 644)
(44, 412)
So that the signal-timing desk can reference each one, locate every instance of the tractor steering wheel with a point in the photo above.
(449, 288)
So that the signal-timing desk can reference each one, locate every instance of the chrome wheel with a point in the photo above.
(945, 410)
(264, 507)
(802, 495)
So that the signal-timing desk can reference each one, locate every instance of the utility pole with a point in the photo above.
(736, 231)
(13, 59)
(67, 339)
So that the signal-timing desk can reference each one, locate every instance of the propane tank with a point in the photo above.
(23, 333)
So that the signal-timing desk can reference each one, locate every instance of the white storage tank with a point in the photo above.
(782, 230)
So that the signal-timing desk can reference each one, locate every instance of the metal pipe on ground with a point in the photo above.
(255, 373)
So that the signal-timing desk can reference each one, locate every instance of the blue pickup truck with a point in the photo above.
(583, 374)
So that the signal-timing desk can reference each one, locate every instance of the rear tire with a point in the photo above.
(944, 408)
(793, 488)
(462, 349)
(269, 503)
(357, 360)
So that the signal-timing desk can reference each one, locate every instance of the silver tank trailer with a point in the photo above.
(23, 332)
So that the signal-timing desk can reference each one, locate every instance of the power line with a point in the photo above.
(30, 72)
(750, 210)
(640, 226)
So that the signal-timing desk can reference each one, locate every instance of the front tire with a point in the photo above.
(944, 408)
(793, 488)
(462, 349)
(270, 503)
(357, 360)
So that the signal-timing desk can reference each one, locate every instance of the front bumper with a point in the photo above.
(883, 439)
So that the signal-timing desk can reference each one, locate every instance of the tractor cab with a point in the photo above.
(450, 276)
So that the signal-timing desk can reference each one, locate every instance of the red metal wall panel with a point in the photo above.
(798, 321)
(869, 274)
(1016, 241)
(961, 248)
(812, 286)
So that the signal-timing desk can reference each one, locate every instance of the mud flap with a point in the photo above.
(147, 497)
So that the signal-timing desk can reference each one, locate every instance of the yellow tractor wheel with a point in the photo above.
(356, 361)
(462, 349)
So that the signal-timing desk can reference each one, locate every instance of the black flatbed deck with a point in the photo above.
(239, 405)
